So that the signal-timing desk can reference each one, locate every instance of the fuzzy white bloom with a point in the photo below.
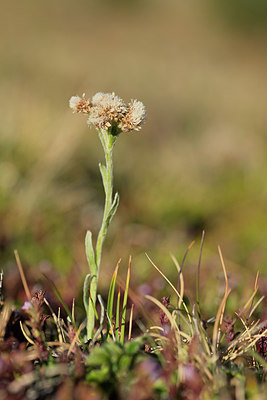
(98, 97)
(74, 101)
(108, 100)
(135, 116)
(100, 121)
(137, 112)
(107, 109)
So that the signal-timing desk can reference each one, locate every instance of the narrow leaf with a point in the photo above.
(117, 324)
(130, 323)
(99, 331)
(57, 293)
(86, 288)
(113, 209)
(90, 254)
(94, 308)
(125, 298)
(103, 171)
(111, 295)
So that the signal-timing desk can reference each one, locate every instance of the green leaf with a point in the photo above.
(117, 324)
(90, 254)
(103, 171)
(99, 375)
(125, 298)
(111, 296)
(113, 208)
(132, 348)
(86, 288)
(98, 357)
(94, 308)
(124, 363)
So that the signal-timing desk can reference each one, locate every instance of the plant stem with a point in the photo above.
(108, 141)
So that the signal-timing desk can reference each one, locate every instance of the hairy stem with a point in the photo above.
(108, 187)
(108, 141)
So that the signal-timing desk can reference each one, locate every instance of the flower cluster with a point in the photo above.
(108, 111)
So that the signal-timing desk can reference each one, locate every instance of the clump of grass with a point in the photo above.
(180, 355)
(208, 357)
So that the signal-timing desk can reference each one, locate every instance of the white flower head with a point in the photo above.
(74, 101)
(135, 116)
(79, 104)
(107, 110)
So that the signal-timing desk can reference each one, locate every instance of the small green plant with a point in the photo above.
(111, 117)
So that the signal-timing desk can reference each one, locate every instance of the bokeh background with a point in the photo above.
(198, 163)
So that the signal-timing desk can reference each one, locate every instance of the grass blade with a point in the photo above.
(22, 276)
(172, 286)
(111, 296)
(130, 323)
(198, 274)
(117, 323)
(58, 295)
(124, 306)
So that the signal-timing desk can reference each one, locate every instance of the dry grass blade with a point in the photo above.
(76, 337)
(156, 327)
(241, 338)
(247, 346)
(22, 276)
(181, 282)
(172, 286)
(198, 272)
(1, 289)
(253, 294)
(173, 323)
(201, 334)
(131, 323)
(220, 313)
(182, 264)
(225, 277)
(61, 324)
(219, 316)
(60, 338)
(203, 365)
(25, 334)
(250, 300)
(159, 337)
(255, 306)
(4, 317)
(73, 310)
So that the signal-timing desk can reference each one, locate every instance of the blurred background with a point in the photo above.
(198, 163)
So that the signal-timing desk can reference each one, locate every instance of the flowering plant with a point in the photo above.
(111, 116)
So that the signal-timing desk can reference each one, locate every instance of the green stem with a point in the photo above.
(108, 141)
